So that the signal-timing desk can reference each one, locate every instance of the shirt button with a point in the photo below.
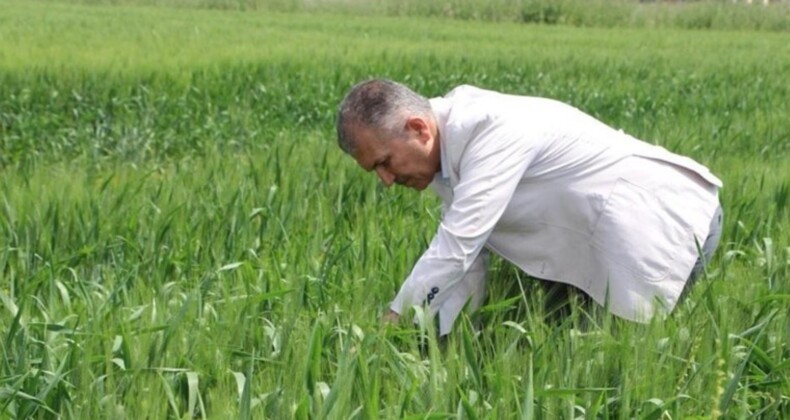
(434, 290)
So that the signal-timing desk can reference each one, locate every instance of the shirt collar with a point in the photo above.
(441, 111)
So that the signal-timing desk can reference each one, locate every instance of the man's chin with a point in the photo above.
(420, 186)
(415, 185)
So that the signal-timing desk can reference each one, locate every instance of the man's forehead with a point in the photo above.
(360, 130)
(368, 149)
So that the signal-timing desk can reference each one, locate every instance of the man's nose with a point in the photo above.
(386, 176)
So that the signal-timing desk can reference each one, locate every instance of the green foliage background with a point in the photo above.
(179, 235)
(688, 14)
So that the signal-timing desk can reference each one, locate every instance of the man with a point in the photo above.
(556, 192)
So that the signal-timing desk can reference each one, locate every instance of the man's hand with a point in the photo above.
(390, 317)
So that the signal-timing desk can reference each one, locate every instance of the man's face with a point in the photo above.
(411, 161)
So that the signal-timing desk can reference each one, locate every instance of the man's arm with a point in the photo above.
(490, 170)
(472, 289)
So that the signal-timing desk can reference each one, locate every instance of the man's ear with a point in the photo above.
(419, 126)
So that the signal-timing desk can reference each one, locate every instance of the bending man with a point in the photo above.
(549, 188)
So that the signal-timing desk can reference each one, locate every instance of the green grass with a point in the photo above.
(697, 14)
(180, 236)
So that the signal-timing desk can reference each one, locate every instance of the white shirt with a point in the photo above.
(565, 198)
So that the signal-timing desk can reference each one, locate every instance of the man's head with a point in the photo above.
(388, 128)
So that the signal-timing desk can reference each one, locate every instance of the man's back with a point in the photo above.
(592, 206)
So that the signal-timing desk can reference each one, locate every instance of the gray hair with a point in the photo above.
(381, 105)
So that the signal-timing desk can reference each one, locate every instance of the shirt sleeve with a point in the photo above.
(490, 170)
(472, 289)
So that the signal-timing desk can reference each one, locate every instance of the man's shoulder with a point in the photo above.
(471, 105)
(468, 90)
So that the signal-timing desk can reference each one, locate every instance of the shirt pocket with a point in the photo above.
(636, 232)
